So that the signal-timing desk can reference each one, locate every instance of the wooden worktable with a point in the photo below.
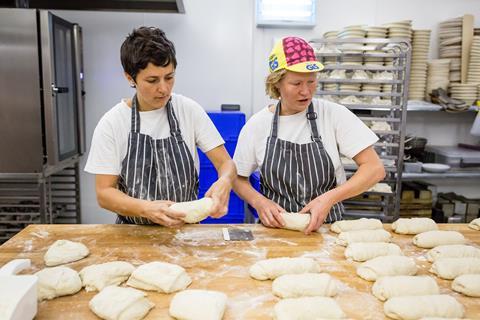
(215, 264)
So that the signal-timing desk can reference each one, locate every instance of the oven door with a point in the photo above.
(60, 91)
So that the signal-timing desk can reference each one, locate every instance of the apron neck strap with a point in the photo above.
(311, 116)
(172, 119)
(312, 119)
(135, 127)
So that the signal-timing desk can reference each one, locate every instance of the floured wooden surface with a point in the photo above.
(216, 264)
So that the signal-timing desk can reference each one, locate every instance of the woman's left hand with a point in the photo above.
(319, 209)
(220, 193)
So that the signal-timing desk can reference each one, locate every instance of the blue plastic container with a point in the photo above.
(228, 124)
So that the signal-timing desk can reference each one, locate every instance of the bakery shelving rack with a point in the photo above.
(379, 98)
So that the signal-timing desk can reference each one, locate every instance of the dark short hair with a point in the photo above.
(145, 45)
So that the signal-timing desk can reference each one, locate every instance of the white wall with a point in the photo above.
(222, 55)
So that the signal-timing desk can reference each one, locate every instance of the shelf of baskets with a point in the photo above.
(370, 77)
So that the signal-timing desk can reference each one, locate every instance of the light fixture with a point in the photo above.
(285, 13)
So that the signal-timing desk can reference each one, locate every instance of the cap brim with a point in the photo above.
(308, 66)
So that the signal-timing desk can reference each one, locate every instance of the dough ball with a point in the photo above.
(430, 239)
(99, 276)
(304, 285)
(359, 224)
(198, 305)
(394, 286)
(273, 268)
(159, 276)
(468, 284)
(195, 211)
(308, 308)
(378, 267)
(453, 251)
(65, 251)
(56, 282)
(348, 237)
(450, 268)
(474, 224)
(363, 251)
(416, 307)
(413, 225)
(296, 221)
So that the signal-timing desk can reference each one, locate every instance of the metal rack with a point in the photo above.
(34, 198)
(389, 104)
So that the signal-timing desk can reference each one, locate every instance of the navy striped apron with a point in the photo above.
(294, 174)
(157, 169)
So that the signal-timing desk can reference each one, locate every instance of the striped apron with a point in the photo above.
(294, 174)
(157, 169)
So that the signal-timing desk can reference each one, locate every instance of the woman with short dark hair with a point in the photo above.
(144, 149)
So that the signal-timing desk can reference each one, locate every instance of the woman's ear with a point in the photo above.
(130, 80)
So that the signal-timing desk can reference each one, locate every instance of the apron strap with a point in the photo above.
(276, 115)
(312, 119)
(135, 126)
(173, 122)
(172, 119)
(311, 116)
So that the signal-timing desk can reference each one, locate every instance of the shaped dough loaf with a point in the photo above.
(413, 225)
(56, 282)
(430, 239)
(198, 305)
(119, 303)
(273, 268)
(363, 251)
(99, 276)
(453, 251)
(468, 284)
(296, 221)
(159, 276)
(416, 307)
(359, 224)
(450, 268)
(349, 237)
(395, 286)
(474, 224)
(304, 285)
(308, 308)
(375, 268)
(195, 211)
(65, 251)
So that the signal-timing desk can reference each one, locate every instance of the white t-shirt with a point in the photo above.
(341, 132)
(110, 138)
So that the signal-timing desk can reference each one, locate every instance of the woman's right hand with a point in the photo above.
(159, 212)
(269, 212)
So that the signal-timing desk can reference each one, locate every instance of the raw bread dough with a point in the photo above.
(304, 285)
(395, 286)
(453, 251)
(474, 224)
(159, 276)
(468, 284)
(120, 303)
(363, 251)
(349, 237)
(430, 239)
(450, 268)
(195, 211)
(56, 282)
(359, 224)
(65, 251)
(99, 276)
(413, 225)
(416, 307)
(377, 267)
(308, 308)
(198, 305)
(276, 267)
(296, 221)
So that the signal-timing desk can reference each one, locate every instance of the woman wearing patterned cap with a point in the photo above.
(144, 149)
(296, 145)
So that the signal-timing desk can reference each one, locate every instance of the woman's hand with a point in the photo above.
(269, 212)
(159, 211)
(319, 209)
(220, 194)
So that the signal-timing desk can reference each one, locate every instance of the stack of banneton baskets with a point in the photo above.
(418, 71)
(473, 75)
(450, 35)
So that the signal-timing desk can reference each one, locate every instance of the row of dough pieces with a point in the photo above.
(64, 251)
(114, 302)
(299, 222)
(409, 297)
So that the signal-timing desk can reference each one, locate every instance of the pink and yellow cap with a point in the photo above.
(294, 54)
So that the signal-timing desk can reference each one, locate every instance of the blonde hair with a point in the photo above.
(271, 83)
